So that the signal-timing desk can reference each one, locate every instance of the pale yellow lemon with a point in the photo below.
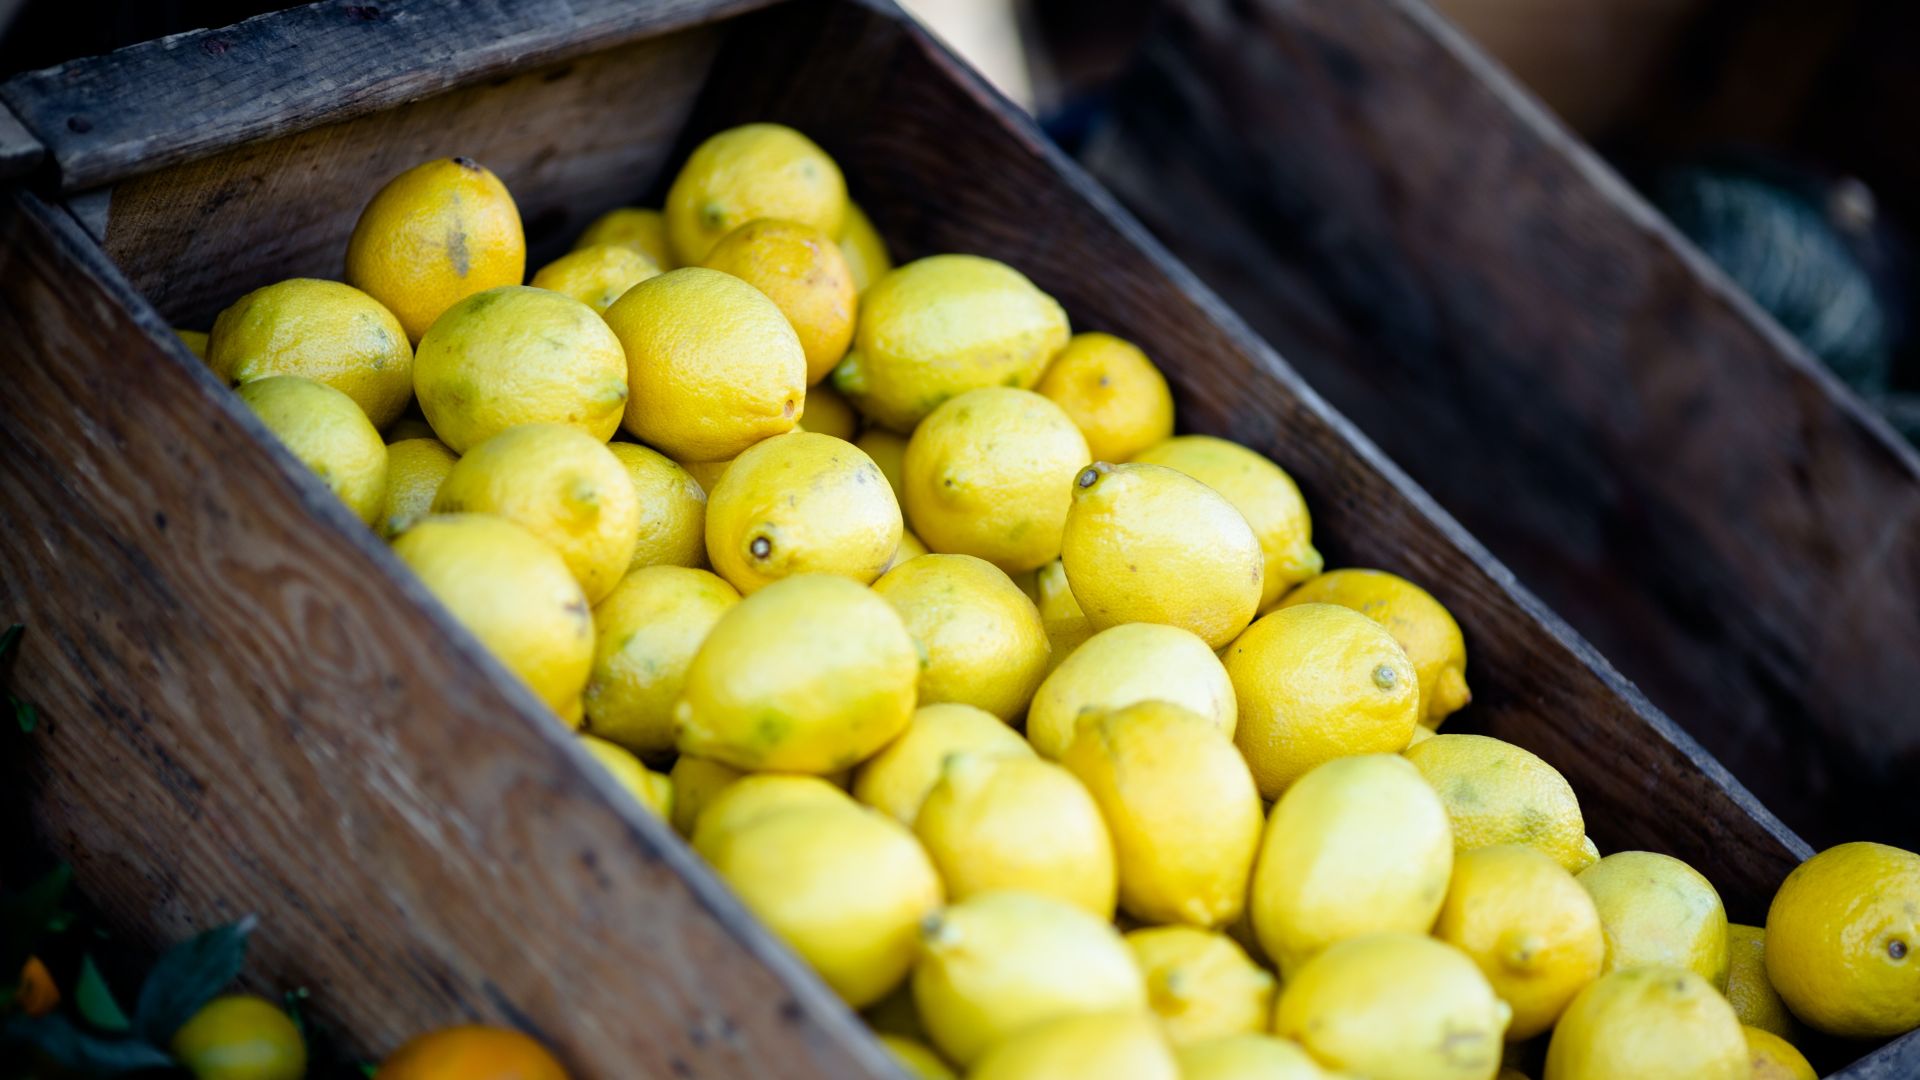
(1529, 926)
(1200, 984)
(889, 451)
(645, 231)
(829, 414)
(1111, 1046)
(415, 470)
(749, 172)
(1657, 911)
(1247, 1057)
(1114, 394)
(897, 779)
(646, 633)
(1654, 1023)
(320, 330)
(1841, 935)
(916, 1057)
(1066, 621)
(1416, 620)
(749, 797)
(1749, 990)
(650, 789)
(673, 509)
(994, 822)
(1499, 793)
(1263, 493)
(862, 247)
(329, 434)
(1124, 665)
(1774, 1058)
(802, 271)
(436, 234)
(596, 276)
(985, 644)
(696, 783)
(801, 503)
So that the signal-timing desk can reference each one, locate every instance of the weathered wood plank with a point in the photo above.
(20, 152)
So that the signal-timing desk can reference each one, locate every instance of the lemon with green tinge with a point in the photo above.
(320, 330)
(1263, 493)
(646, 634)
(1657, 911)
(596, 276)
(801, 503)
(1841, 934)
(517, 355)
(862, 247)
(750, 797)
(1111, 1046)
(329, 434)
(564, 486)
(1750, 992)
(916, 1057)
(749, 172)
(1247, 1057)
(990, 474)
(195, 341)
(811, 674)
(713, 365)
(897, 779)
(1125, 665)
(1200, 984)
(827, 413)
(1317, 682)
(801, 270)
(1395, 1006)
(1653, 1023)
(436, 234)
(1416, 620)
(1499, 793)
(697, 782)
(645, 231)
(513, 592)
(650, 789)
(938, 327)
(1181, 806)
(998, 963)
(415, 470)
(1358, 846)
(1148, 544)
(997, 822)
(1115, 395)
(1528, 925)
(984, 641)
(1774, 1058)
(889, 451)
(240, 1037)
(673, 509)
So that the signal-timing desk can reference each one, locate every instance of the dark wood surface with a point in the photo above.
(20, 152)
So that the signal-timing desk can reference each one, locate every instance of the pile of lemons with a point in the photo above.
(1037, 730)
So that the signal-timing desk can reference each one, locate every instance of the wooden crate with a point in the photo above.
(253, 707)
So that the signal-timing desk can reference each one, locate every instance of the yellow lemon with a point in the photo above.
(646, 633)
(413, 425)
(707, 474)
(1415, 619)
(985, 644)
(910, 548)
(645, 231)
(1181, 806)
(889, 451)
(1148, 544)
(513, 592)
(1530, 927)
(810, 674)
(415, 470)
(938, 327)
(1263, 493)
(1654, 1023)
(1200, 984)
(320, 330)
(650, 789)
(195, 341)
(897, 779)
(990, 474)
(574, 714)
(1750, 992)
(997, 963)
(517, 355)
(1115, 395)
(1124, 665)
(749, 172)
(1421, 734)
(436, 234)
(1774, 1058)
(749, 797)
(995, 822)
(329, 434)
(673, 509)
(564, 486)
(697, 782)
(862, 247)
(1066, 621)
(1111, 1046)
(240, 1037)
(1841, 934)
(1499, 793)
(801, 503)
(713, 365)
(829, 414)
(1657, 911)
(596, 276)
(802, 271)
(1359, 846)
(1246, 1057)
(1317, 682)
(917, 1058)
(1395, 1006)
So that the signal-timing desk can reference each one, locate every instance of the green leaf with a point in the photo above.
(94, 999)
(25, 715)
(189, 976)
(82, 1051)
(27, 915)
(9, 637)
(369, 1068)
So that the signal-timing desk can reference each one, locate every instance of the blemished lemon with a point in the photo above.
(564, 486)
(995, 822)
(801, 503)
(696, 783)
(329, 434)
(1124, 665)
(1657, 911)
(1652, 1023)
(596, 276)
(436, 234)
(1774, 1058)
(1499, 793)
(1200, 984)
(1263, 493)
(1750, 992)
(1395, 1006)
(1144, 543)
(829, 414)
(889, 451)
(1528, 925)
(811, 674)
(240, 1037)
(1067, 624)
(802, 271)
(713, 365)
(997, 963)
(1246, 1057)
(1358, 846)
(917, 1058)
(1115, 395)
(673, 509)
(1316, 682)
(1181, 806)
(195, 341)
(1111, 1046)
(517, 355)
(320, 330)
(749, 172)
(985, 644)
(749, 797)
(1841, 934)
(645, 231)
(1416, 620)
(646, 633)
(415, 470)
(707, 474)
(862, 247)
(650, 789)
(938, 327)
(897, 779)
(513, 592)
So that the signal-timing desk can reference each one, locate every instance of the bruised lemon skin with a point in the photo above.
(646, 634)
(801, 503)
(1841, 934)
(1652, 1023)
(897, 779)
(415, 470)
(749, 172)
(329, 434)
(1499, 793)
(1112, 1046)
(1200, 984)
(1263, 493)
(984, 640)
(1114, 394)
(436, 234)
(1125, 665)
(802, 271)
(1657, 911)
(596, 276)
(1529, 926)
(645, 231)
(673, 509)
(1003, 822)
(1424, 628)
(862, 247)
(648, 788)
(320, 330)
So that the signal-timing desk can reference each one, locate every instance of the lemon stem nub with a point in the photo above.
(1384, 677)
(1897, 949)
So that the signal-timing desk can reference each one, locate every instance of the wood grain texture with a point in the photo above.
(1619, 424)
(20, 152)
(253, 707)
